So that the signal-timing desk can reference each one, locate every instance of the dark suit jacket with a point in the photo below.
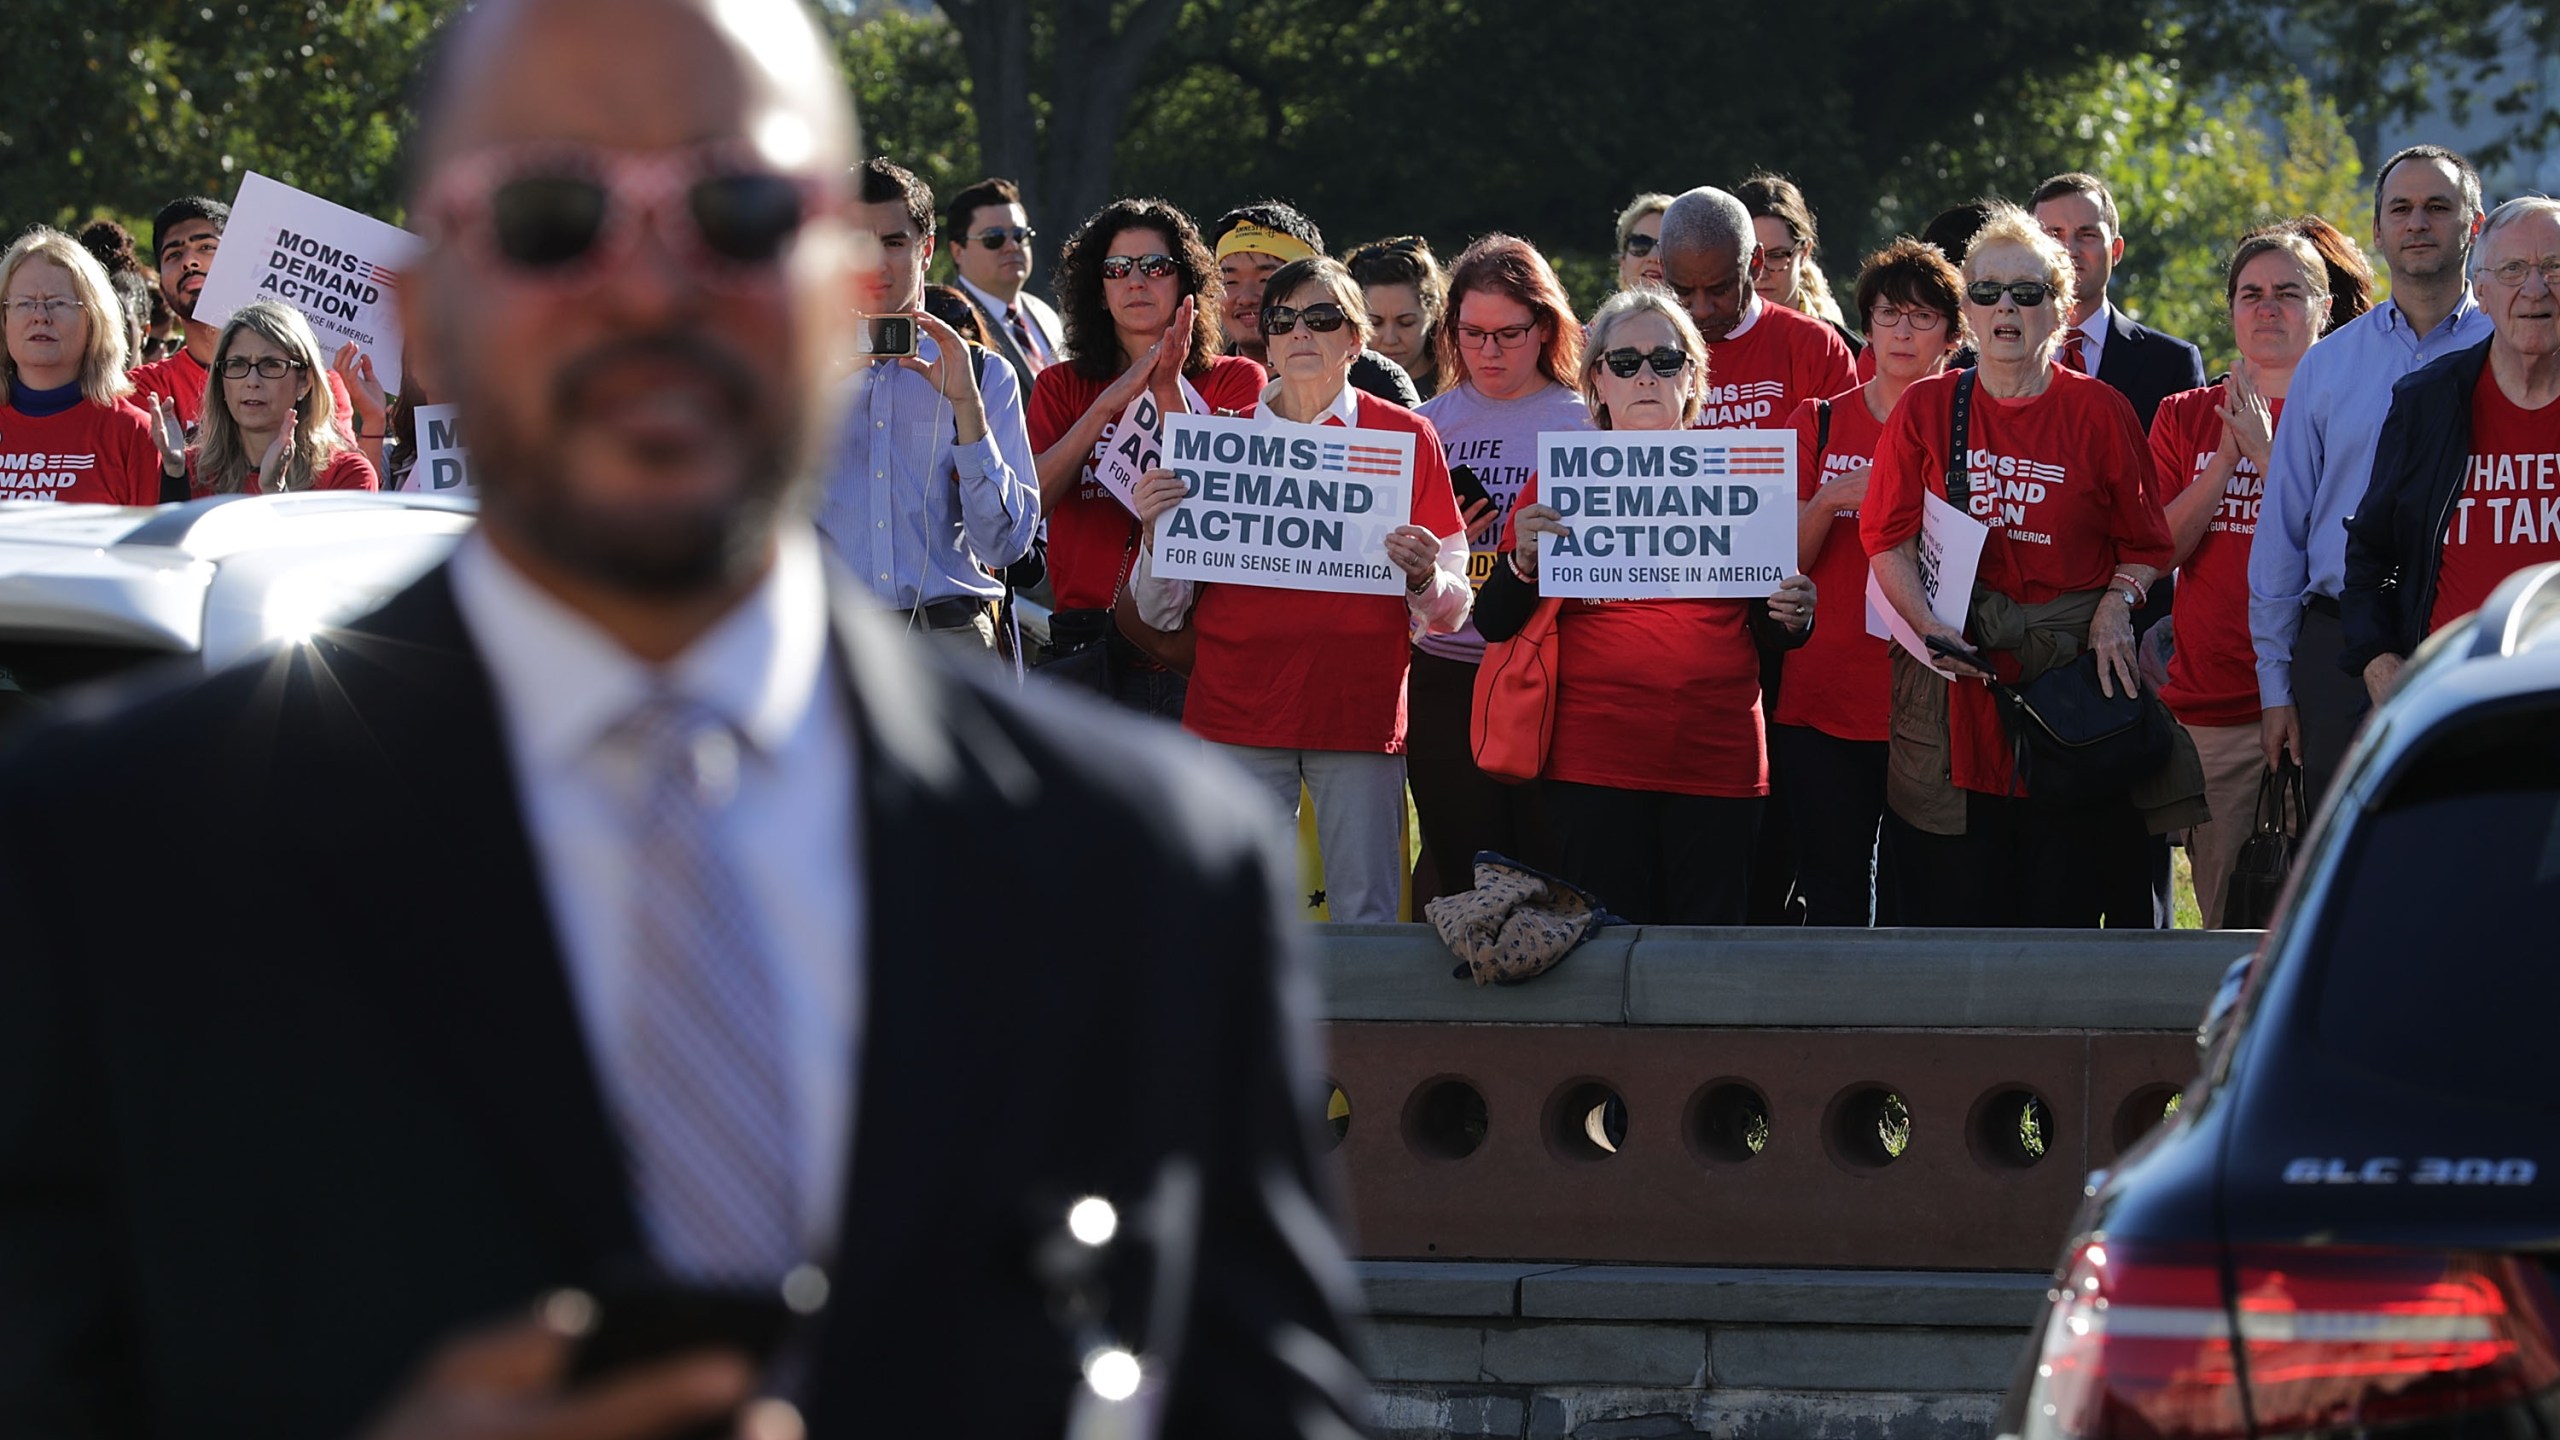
(2146, 366)
(292, 1085)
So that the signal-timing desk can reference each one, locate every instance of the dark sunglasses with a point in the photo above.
(1154, 267)
(997, 238)
(1322, 319)
(1640, 246)
(1625, 362)
(559, 212)
(2029, 293)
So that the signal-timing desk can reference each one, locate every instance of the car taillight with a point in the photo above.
(2139, 1340)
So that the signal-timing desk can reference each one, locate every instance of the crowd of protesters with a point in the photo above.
(2364, 476)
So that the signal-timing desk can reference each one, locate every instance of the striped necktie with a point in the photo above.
(1022, 337)
(706, 1103)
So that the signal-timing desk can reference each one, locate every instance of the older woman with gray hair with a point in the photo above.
(71, 433)
(1658, 769)
(2056, 467)
(1306, 687)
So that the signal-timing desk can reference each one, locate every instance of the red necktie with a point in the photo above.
(2072, 346)
(1022, 336)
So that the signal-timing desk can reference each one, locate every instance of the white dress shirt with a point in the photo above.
(791, 828)
(2094, 333)
(1437, 608)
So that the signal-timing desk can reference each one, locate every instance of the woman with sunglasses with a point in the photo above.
(1658, 768)
(1827, 737)
(1303, 687)
(67, 432)
(1141, 315)
(2209, 453)
(1639, 232)
(1515, 348)
(2060, 474)
(1407, 294)
(267, 426)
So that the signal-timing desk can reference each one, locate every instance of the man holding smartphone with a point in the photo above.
(708, 996)
(932, 487)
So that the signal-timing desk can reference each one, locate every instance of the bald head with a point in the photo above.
(500, 68)
(638, 281)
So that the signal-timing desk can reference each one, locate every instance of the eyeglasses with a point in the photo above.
(2029, 293)
(1322, 319)
(1771, 259)
(51, 308)
(1666, 362)
(1509, 337)
(1154, 267)
(273, 367)
(997, 237)
(1639, 246)
(1921, 319)
(561, 212)
(2512, 273)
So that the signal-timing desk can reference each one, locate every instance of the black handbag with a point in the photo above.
(2266, 857)
(2074, 743)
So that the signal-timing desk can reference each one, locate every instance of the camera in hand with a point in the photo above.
(889, 337)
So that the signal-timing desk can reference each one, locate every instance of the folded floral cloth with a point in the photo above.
(1516, 923)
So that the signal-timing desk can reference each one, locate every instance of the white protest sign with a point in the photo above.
(444, 462)
(1949, 552)
(1296, 507)
(1134, 444)
(339, 268)
(1668, 514)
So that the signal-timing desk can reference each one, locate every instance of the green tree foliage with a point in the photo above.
(911, 87)
(2191, 175)
(116, 108)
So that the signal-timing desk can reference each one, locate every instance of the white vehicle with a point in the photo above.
(88, 591)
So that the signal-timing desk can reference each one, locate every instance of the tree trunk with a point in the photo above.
(1096, 69)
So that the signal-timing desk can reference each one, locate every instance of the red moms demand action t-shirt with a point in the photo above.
(2063, 480)
(1841, 681)
(1756, 379)
(346, 470)
(1311, 669)
(1090, 532)
(1659, 695)
(2509, 513)
(87, 455)
(2213, 673)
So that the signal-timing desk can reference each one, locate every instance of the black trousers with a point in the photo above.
(1654, 858)
(2330, 702)
(1462, 809)
(2025, 863)
(1833, 792)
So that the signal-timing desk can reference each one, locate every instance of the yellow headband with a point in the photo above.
(1249, 236)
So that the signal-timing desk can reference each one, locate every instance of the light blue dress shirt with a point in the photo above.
(913, 515)
(2322, 463)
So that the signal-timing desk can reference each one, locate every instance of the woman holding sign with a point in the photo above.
(268, 421)
(2055, 465)
(1305, 686)
(1827, 737)
(1658, 768)
(1135, 286)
